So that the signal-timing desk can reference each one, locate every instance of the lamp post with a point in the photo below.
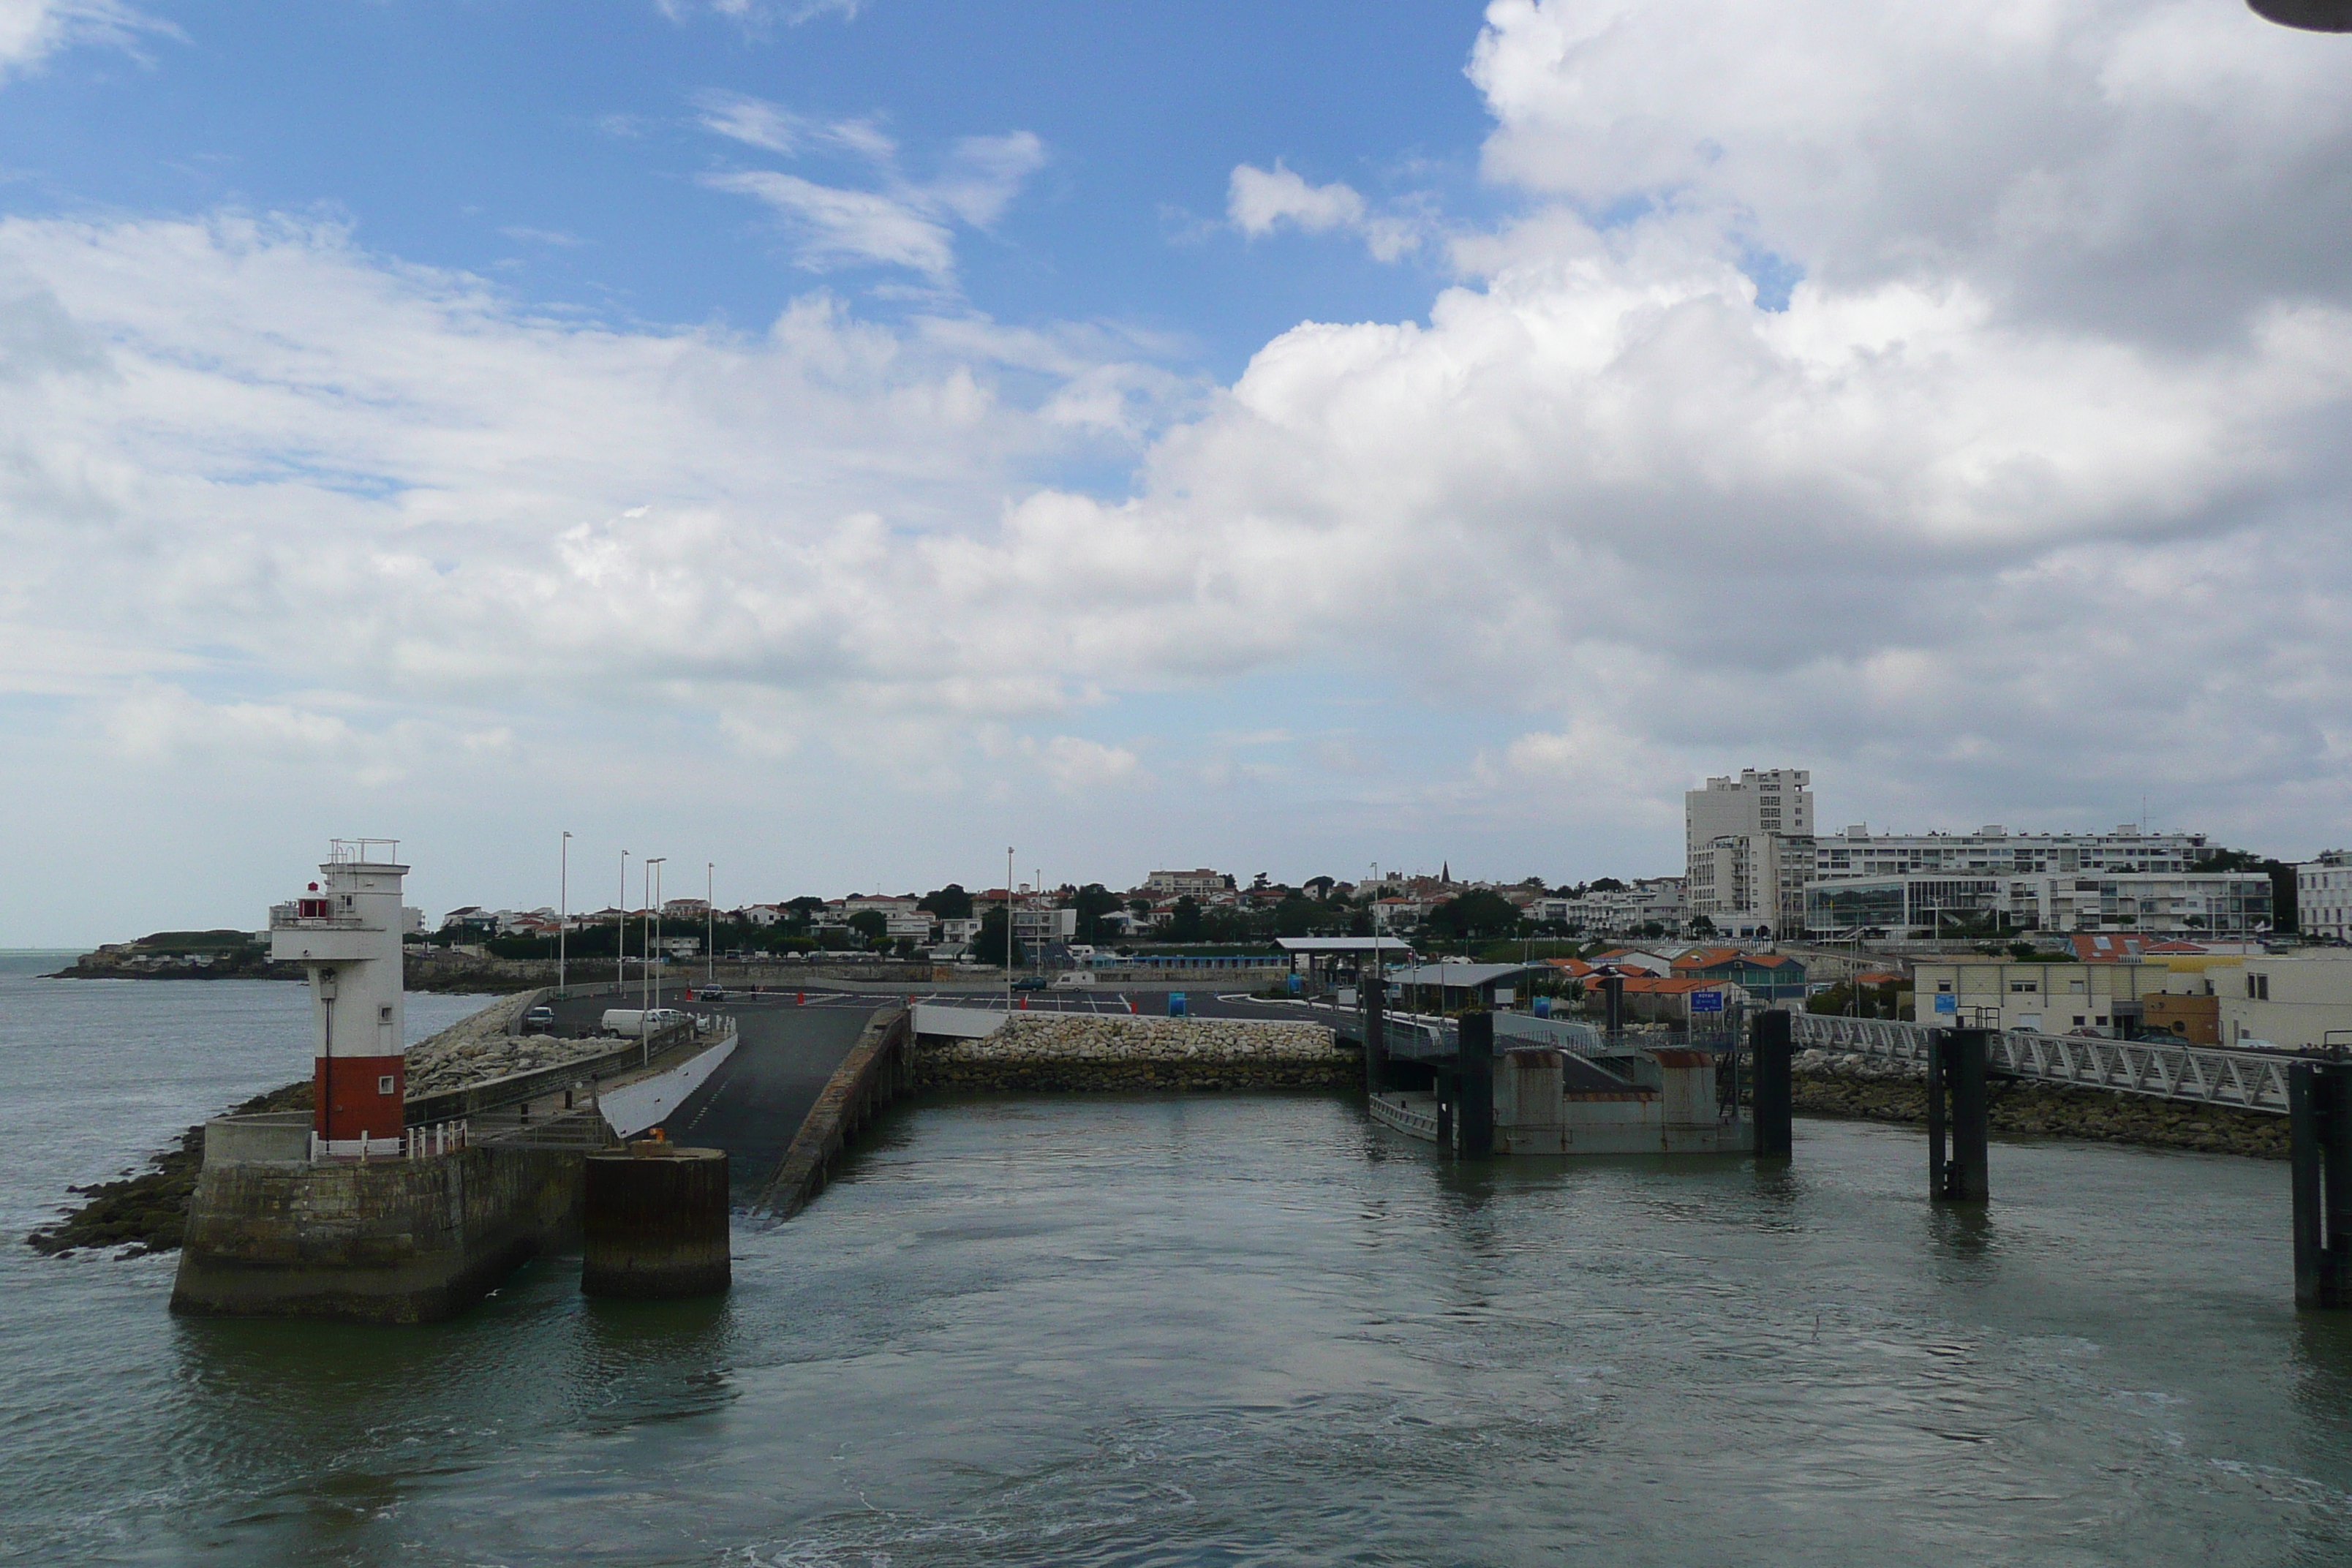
(562, 905)
(1008, 934)
(709, 922)
(652, 934)
(621, 933)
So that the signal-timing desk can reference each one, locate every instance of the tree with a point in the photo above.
(988, 947)
(1701, 926)
(948, 903)
(1604, 885)
(1297, 916)
(1320, 887)
(1186, 924)
(871, 925)
(1092, 902)
(1474, 914)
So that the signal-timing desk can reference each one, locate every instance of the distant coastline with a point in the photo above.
(240, 956)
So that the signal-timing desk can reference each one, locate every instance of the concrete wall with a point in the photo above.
(275, 1135)
(394, 1241)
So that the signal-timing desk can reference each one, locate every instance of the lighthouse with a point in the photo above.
(344, 929)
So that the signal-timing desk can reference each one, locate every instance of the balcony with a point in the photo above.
(313, 914)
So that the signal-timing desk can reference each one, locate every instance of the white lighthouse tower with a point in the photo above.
(345, 928)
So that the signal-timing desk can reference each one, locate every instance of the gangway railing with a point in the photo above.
(2201, 1075)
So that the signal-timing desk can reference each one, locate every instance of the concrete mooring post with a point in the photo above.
(1958, 1134)
(1769, 1035)
(1376, 1034)
(1478, 1062)
(2319, 1102)
(654, 1223)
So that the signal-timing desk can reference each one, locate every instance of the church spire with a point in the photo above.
(1445, 871)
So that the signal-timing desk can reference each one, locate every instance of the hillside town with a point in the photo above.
(2165, 931)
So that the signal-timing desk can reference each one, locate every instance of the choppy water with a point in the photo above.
(1207, 1330)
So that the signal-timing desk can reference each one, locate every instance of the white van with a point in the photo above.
(1077, 979)
(631, 1024)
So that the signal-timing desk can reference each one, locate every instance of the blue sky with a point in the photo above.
(1287, 437)
(556, 149)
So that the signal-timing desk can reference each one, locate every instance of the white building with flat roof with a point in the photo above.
(2323, 896)
(1184, 884)
(1746, 844)
(1928, 905)
(1993, 850)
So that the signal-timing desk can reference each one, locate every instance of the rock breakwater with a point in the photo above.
(1084, 1053)
(480, 1048)
(1831, 1083)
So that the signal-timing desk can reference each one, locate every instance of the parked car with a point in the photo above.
(538, 1020)
(1030, 982)
(711, 994)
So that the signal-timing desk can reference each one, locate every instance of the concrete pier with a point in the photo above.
(654, 1224)
(388, 1241)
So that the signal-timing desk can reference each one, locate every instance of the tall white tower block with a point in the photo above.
(345, 930)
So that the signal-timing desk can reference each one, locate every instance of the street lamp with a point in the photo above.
(645, 965)
(621, 933)
(1008, 935)
(710, 923)
(562, 905)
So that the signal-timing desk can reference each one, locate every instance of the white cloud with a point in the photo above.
(836, 227)
(2030, 499)
(32, 30)
(1259, 202)
(903, 222)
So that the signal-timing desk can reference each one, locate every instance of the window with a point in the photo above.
(2024, 987)
(1940, 985)
(2103, 1020)
(384, 1084)
(383, 1015)
(2258, 987)
(2078, 1017)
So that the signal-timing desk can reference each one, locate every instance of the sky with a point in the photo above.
(826, 444)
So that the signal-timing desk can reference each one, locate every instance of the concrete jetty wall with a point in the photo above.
(879, 1068)
(1091, 1053)
(393, 1241)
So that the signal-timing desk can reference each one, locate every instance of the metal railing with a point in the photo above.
(413, 1143)
(2203, 1075)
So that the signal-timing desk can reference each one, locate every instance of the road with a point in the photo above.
(791, 1042)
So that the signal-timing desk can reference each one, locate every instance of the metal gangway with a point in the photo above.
(2201, 1074)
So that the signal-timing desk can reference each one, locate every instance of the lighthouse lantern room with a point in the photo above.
(344, 929)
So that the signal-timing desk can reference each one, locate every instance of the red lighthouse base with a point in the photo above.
(356, 1096)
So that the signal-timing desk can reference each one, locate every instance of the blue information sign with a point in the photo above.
(1947, 1002)
(1706, 1001)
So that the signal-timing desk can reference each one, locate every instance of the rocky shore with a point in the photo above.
(144, 1212)
(1090, 1054)
(1871, 1089)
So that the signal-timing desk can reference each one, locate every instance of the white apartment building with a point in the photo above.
(2220, 903)
(1043, 926)
(1181, 884)
(1746, 844)
(881, 903)
(1993, 850)
(2323, 896)
(910, 924)
(1616, 911)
